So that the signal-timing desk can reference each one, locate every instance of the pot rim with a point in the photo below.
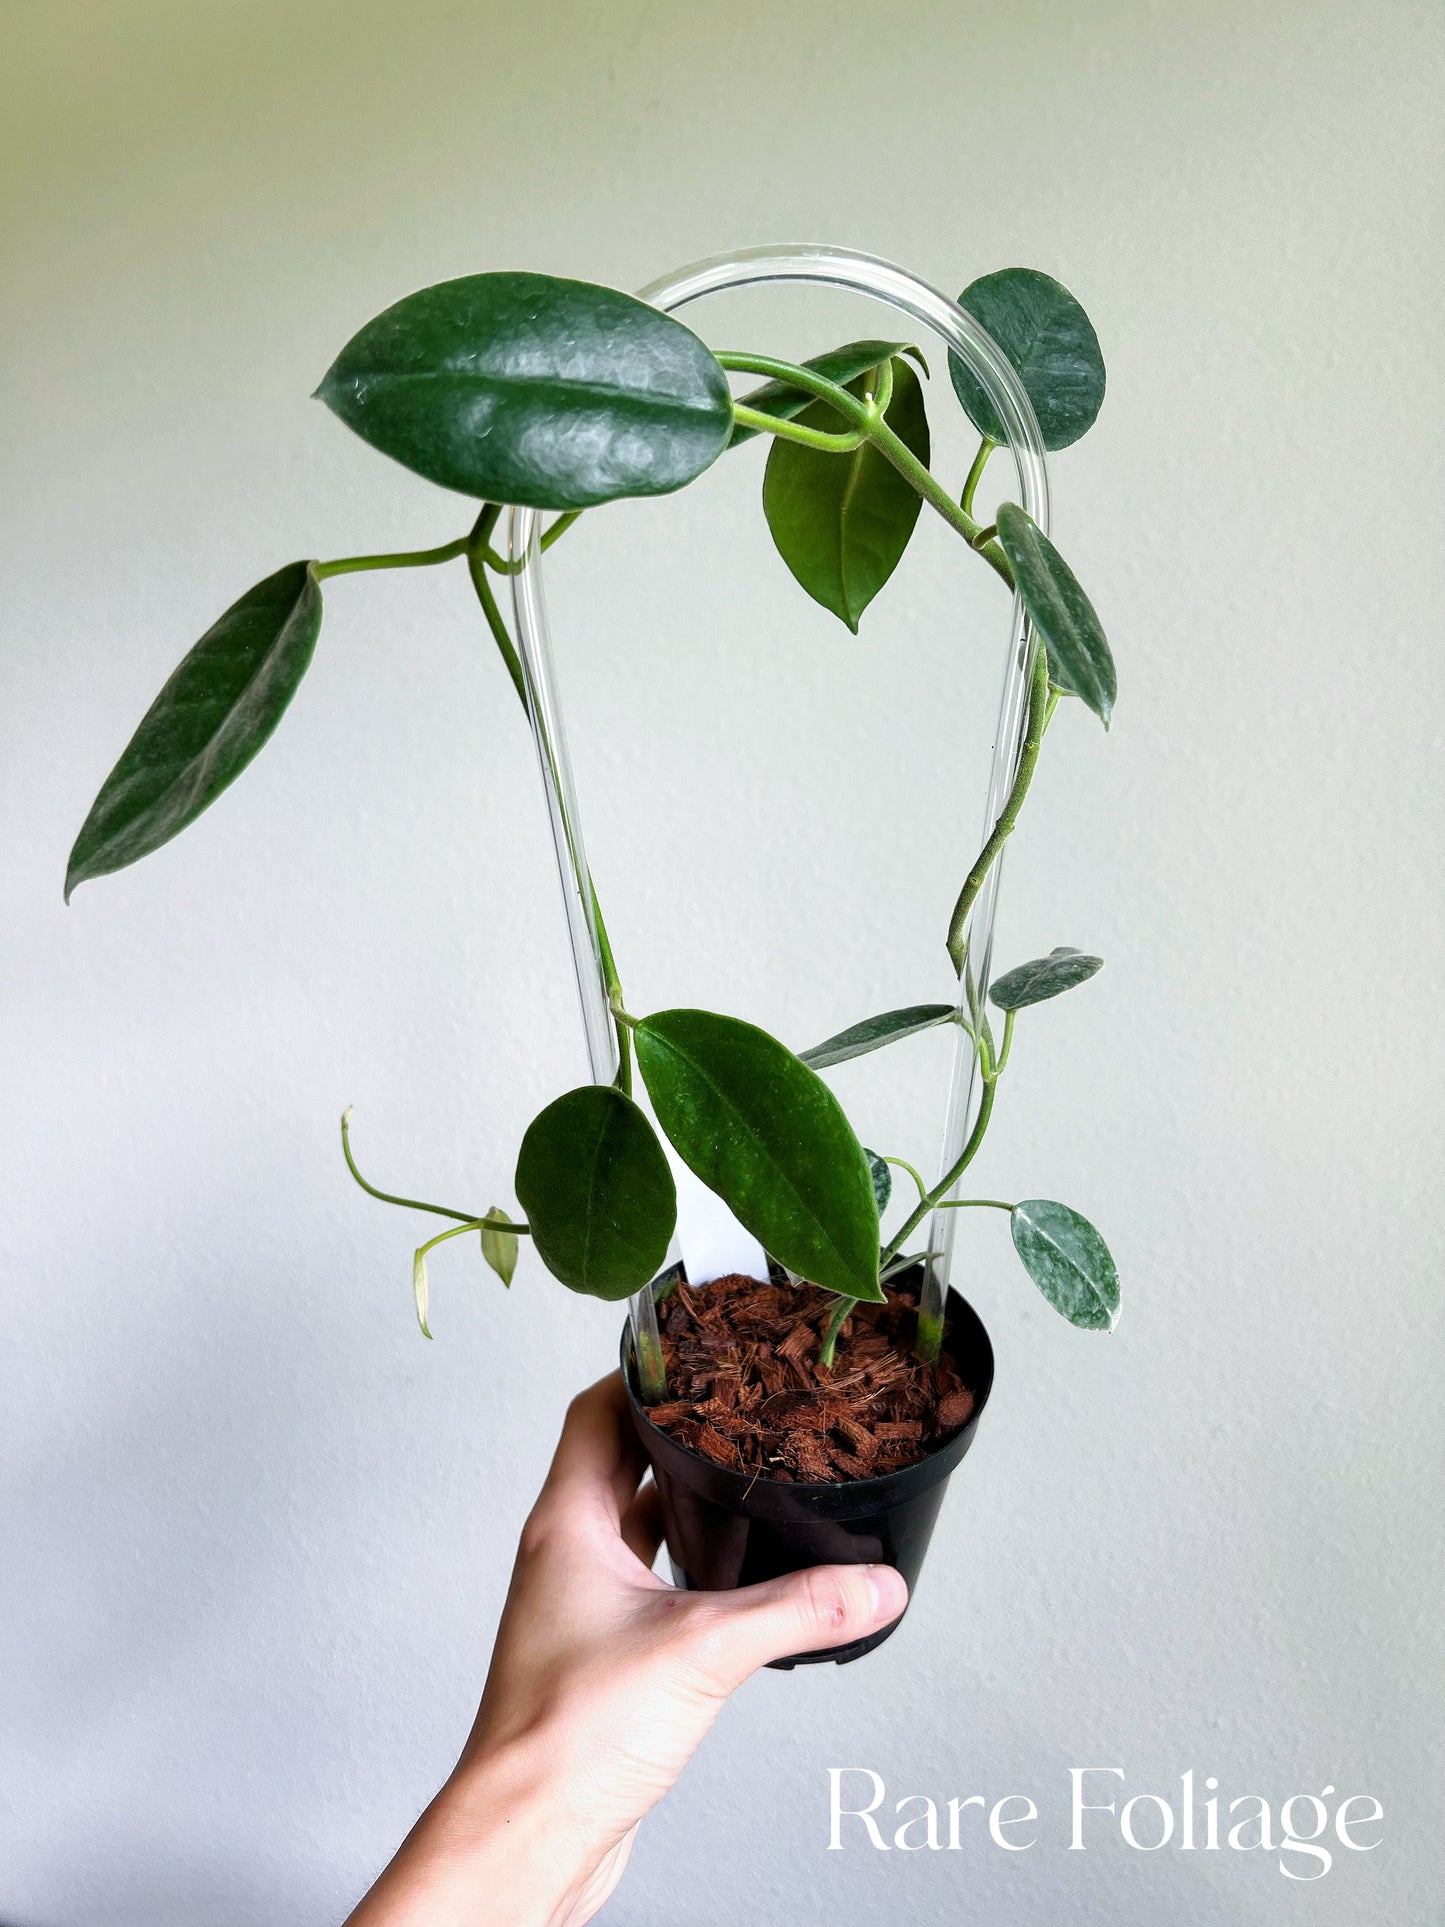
(865, 1489)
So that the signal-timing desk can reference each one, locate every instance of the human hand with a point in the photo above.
(604, 1679)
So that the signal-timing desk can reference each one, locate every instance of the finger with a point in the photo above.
(800, 1613)
(598, 1454)
(642, 1524)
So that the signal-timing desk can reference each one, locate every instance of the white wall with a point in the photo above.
(255, 1531)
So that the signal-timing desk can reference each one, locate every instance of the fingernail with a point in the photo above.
(890, 1594)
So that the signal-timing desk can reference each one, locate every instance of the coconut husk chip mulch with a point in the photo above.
(745, 1389)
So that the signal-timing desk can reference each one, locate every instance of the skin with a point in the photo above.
(604, 1680)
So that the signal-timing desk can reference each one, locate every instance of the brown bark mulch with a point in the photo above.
(745, 1389)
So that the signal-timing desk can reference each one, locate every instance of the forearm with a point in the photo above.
(604, 1680)
(492, 1847)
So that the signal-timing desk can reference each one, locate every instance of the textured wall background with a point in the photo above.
(255, 1531)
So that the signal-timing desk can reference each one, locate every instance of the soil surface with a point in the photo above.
(745, 1389)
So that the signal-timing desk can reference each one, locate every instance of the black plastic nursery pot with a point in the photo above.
(727, 1528)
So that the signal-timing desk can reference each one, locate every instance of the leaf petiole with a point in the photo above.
(787, 431)
(904, 1165)
(873, 428)
(401, 559)
(1001, 1063)
(477, 1224)
(878, 401)
(500, 565)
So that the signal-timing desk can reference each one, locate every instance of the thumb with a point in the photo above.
(799, 1613)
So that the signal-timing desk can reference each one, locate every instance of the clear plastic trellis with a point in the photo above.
(959, 333)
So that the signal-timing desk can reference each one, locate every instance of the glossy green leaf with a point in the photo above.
(599, 1197)
(1032, 983)
(218, 708)
(499, 1246)
(784, 402)
(529, 389)
(842, 522)
(1068, 1261)
(882, 1179)
(1080, 660)
(764, 1132)
(1050, 341)
(874, 1032)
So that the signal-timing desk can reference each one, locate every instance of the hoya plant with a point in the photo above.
(524, 389)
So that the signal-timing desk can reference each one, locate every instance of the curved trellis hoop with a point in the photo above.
(854, 273)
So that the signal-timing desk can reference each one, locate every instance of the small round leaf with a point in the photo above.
(529, 389)
(1068, 1261)
(595, 1186)
(1032, 983)
(1080, 660)
(1050, 341)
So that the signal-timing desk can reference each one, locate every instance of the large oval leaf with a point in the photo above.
(1080, 660)
(598, 1194)
(1044, 977)
(842, 522)
(1068, 1261)
(529, 389)
(784, 402)
(1050, 341)
(874, 1032)
(213, 715)
(764, 1132)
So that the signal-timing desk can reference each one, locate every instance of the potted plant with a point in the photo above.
(818, 1413)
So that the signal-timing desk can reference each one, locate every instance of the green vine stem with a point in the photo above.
(868, 420)
(614, 996)
(787, 431)
(500, 565)
(975, 474)
(1008, 1039)
(516, 1227)
(1009, 814)
(386, 1197)
(841, 1310)
(477, 570)
(402, 559)
(806, 379)
(916, 1176)
(880, 399)
(937, 496)
(479, 559)
(928, 1342)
